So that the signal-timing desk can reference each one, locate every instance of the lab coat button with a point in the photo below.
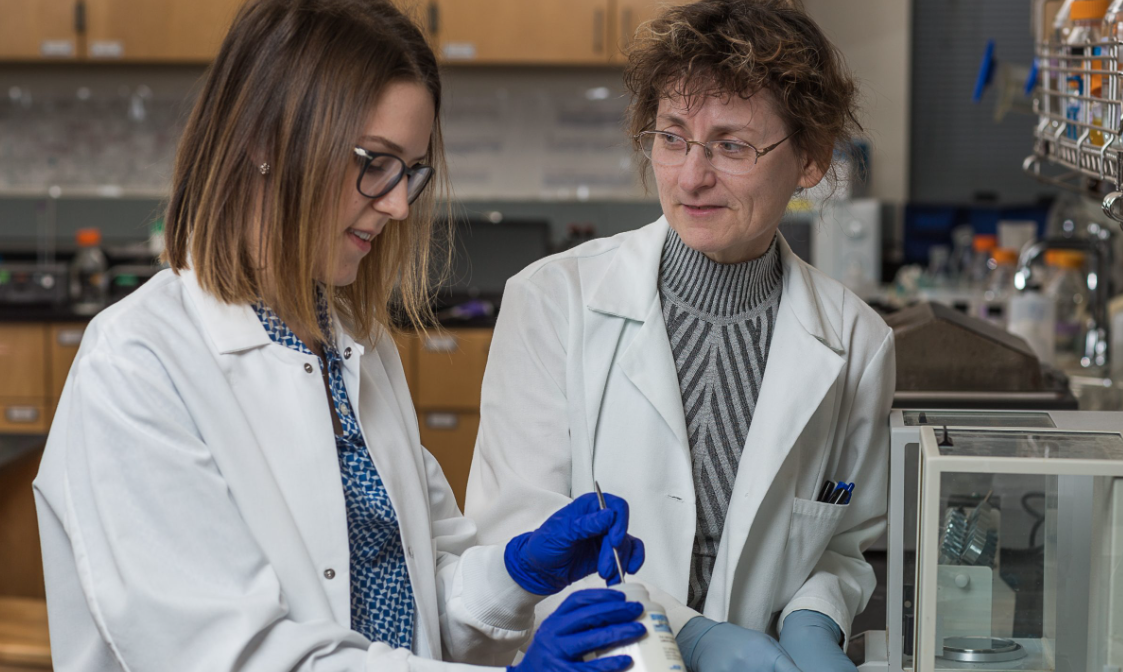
(347, 353)
(329, 574)
(344, 410)
(308, 368)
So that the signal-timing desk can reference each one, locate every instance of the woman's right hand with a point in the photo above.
(587, 621)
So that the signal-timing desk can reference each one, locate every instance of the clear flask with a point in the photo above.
(89, 277)
(1068, 289)
(999, 287)
(656, 651)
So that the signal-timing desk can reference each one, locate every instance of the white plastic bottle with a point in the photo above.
(89, 279)
(1032, 315)
(656, 651)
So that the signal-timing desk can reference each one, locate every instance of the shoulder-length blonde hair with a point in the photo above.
(292, 86)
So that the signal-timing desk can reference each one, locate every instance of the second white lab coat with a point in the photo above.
(192, 513)
(581, 385)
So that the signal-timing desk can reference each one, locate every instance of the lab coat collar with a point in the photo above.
(235, 328)
(631, 284)
(232, 328)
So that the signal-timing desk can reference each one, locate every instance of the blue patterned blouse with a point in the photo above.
(382, 607)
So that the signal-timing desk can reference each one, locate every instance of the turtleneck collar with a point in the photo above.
(721, 290)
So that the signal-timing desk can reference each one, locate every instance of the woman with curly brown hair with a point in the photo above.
(698, 366)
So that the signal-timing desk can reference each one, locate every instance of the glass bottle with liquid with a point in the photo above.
(89, 277)
(1068, 289)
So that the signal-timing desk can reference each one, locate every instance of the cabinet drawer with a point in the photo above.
(22, 372)
(450, 369)
(451, 438)
(21, 415)
(62, 344)
(24, 639)
(407, 350)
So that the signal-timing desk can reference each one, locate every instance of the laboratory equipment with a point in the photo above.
(947, 359)
(1097, 243)
(1005, 545)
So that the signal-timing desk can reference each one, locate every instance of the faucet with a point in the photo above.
(1098, 245)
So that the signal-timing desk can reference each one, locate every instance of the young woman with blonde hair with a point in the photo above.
(234, 479)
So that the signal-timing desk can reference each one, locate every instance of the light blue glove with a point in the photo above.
(588, 620)
(710, 646)
(572, 544)
(814, 641)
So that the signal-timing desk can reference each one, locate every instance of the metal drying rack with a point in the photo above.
(1088, 150)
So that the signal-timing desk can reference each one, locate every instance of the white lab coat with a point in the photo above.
(192, 512)
(581, 385)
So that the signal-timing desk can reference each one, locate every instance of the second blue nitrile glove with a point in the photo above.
(587, 621)
(814, 641)
(572, 544)
(712, 646)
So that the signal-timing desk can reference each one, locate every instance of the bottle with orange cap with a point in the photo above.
(1068, 289)
(89, 277)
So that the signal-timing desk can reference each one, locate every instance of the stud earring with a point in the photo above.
(264, 168)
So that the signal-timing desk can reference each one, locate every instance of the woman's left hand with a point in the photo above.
(572, 544)
(813, 640)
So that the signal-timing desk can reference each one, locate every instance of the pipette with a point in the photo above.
(615, 554)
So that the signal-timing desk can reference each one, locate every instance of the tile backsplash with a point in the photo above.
(537, 134)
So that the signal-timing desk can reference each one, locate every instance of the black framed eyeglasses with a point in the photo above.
(729, 156)
(379, 173)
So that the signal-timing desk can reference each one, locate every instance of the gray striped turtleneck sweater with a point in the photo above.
(720, 319)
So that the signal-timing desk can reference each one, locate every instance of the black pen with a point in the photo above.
(828, 487)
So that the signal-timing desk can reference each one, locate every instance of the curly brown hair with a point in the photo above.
(739, 47)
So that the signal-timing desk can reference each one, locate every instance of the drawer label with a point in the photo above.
(56, 48)
(69, 337)
(21, 414)
(459, 51)
(442, 420)
(107, 49)
(445, 343)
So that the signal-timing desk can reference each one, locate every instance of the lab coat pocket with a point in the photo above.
(812, 526)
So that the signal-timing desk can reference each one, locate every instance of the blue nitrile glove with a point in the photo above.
(572, 544)
(710, 646)
(814, 641)
(588, 620)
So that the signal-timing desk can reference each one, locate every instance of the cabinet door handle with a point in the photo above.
(80, 17)
(434, 18)
(598, 31)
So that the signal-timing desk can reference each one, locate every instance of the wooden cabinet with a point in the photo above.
(23, 378)
(63, 340)
(407, 350)
(451, 437)
(628, 16)
(450, 369)
(556, 32)
(38, 29)
(151, 31)
(515, 32)
(24, 638)
(157, 30)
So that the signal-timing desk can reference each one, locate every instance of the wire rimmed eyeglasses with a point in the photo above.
(735, 157)
(379, 173)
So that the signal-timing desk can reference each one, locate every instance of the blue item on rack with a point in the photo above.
(986, 72)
